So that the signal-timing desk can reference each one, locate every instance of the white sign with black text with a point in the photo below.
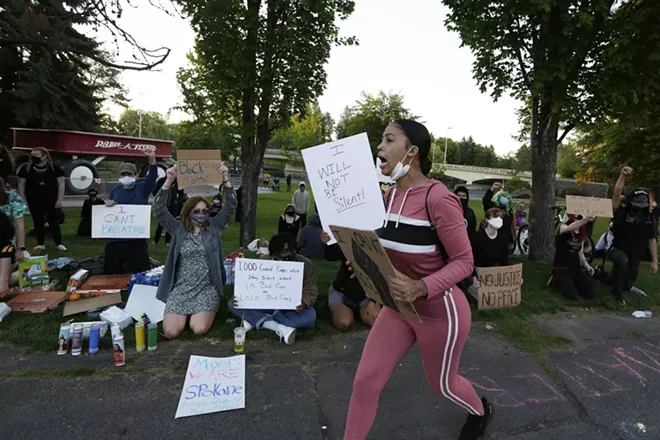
(268, 284)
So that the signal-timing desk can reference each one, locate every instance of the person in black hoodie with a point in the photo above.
(309, 243)
(85, 226)
(346, 297)
(174, 204)
(216, 207)
(488, 197)
(468, 213)
(289, 221)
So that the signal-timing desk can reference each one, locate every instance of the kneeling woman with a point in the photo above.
(569, 260)
(191, 285)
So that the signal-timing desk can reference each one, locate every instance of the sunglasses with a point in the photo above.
(200, 211)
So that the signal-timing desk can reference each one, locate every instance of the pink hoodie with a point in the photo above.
(412, 245)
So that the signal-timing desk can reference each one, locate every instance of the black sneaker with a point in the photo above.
(475, 426)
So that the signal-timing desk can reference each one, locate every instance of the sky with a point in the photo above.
(404, 48)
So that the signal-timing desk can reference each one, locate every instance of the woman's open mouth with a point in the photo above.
(383, 162)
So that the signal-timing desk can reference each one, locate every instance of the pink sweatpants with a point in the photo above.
(441, 336)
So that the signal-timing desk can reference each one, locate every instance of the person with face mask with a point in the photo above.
(300, 201)
(191, 284)
(425, 238)
(521, 215)
(130, 254)
(41, 185)
(502, 200)
(285, 323)
(468, 213)
(635, 230)
(175, 201)
(289, 221)
(570, 268)
(85, 225)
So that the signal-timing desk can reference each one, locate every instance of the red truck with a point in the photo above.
(78, 153)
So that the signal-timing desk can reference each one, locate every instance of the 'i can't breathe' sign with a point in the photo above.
(121, 221)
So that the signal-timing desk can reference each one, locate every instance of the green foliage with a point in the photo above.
(570, 162)
(154, 124)
(255, 64)
(571, 62)
(516, 184)
(372, 114)
(308, 130)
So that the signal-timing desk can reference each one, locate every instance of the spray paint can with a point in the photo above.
(119, 352)
(94, 336)
(76, 339)
(63, 339)
(152, 335)
(139, 337)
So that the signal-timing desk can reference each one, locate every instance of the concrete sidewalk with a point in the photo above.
(603, 387)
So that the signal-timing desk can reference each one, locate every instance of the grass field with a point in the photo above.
(39, 332)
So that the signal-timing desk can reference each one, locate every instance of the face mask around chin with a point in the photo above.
(127, 180)
(400, 169)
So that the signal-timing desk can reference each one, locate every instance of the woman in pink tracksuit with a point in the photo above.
(425, 238)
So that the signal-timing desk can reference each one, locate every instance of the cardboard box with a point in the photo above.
(36, 302)
(77, 279)
(32, 268)
(107, 282)
(83, 305)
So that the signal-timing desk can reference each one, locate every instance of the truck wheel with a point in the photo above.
(81, 174)
(162, 170)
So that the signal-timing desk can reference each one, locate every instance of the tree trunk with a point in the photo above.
(250, 160)
(543, 140)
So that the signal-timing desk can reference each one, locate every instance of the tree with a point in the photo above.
(572, 61)
(154, 124)
(569, 161)
(438, 151)
(372, 114)
(305, 130)
(257, 62)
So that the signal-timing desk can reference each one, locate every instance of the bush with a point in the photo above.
(516, 184)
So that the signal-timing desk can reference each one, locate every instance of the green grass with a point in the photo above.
(38, 333)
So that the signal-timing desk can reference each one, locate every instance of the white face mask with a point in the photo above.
(127, 180)
(400, 169)
(496, 223)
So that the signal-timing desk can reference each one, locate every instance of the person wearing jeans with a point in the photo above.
(41, 185)
(134, 253)
(284, 323)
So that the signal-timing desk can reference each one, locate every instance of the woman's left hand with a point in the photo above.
(406, 289)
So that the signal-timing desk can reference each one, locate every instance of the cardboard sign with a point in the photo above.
(36, 302)
(199, 167)
(143, 300)
(372, 266)
(589, 206)
(212, 385)
(268, 284)
(107, 282)
(121, 221)
(345, 185)
(95, 302)
(500, 287)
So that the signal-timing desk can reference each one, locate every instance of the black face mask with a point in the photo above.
(35, 160)
(465, 203)
(289, 257)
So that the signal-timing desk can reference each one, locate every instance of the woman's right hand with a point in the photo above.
(172, 174)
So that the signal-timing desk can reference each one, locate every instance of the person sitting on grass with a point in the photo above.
(216, 207)
(191, 285)
(346, 296)
(569, 262)
(132, 253)
(284, 323)
(289, 221)
(309, 243)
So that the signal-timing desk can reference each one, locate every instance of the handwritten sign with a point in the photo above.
(345, 185)
(212, 385)
(268, 284)
(589, 206)
(500, 287)
(372, 266)
(121, 221)
(199, 167)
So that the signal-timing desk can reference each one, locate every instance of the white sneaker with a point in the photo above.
(286, 334)
(637, 291)
(247, 326)
(60, 247)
